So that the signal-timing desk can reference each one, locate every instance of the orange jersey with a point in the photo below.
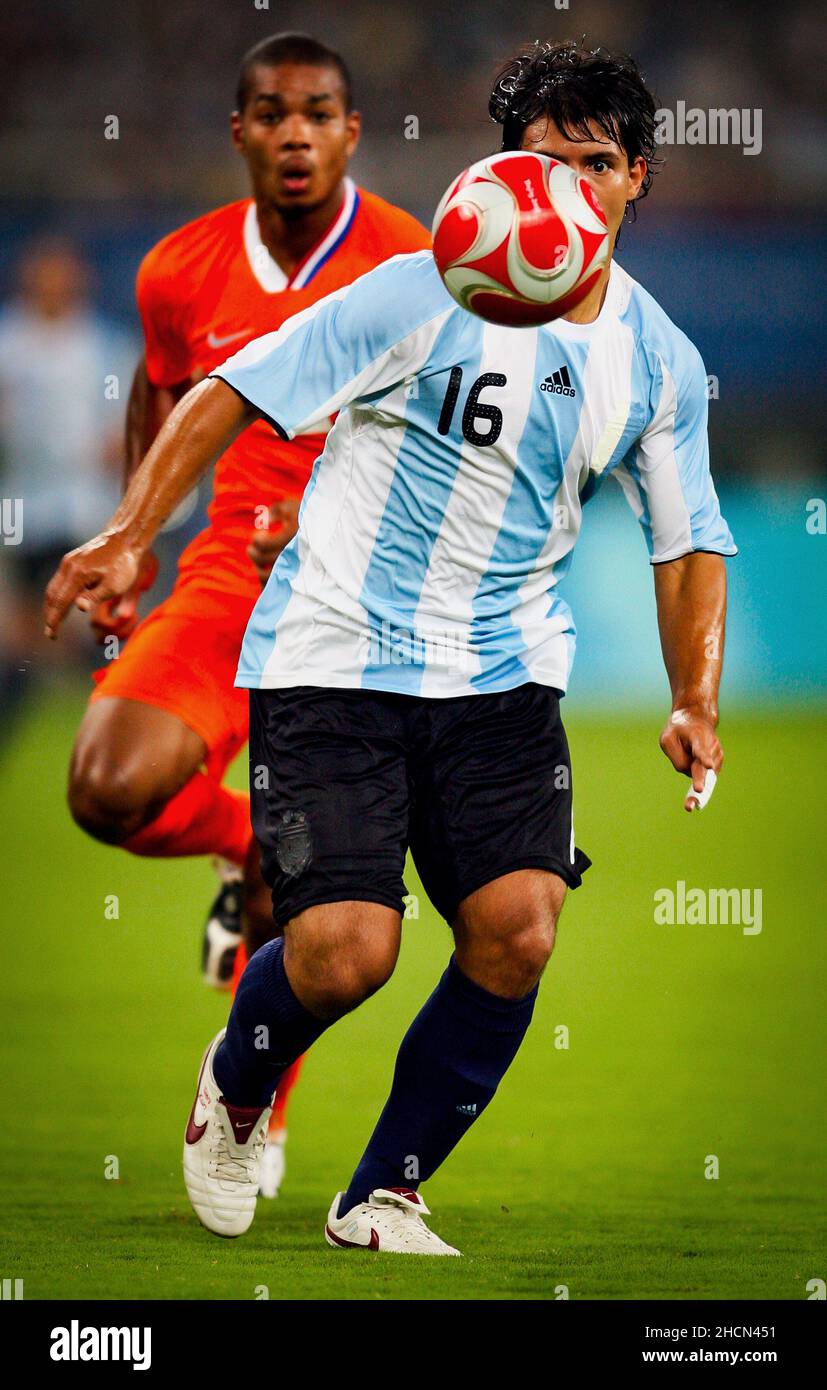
(209, 288)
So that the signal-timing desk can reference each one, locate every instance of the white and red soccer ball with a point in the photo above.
(519, 238)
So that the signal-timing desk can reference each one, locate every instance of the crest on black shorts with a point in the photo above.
(293, 843)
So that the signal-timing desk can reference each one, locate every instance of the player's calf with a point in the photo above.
(275, 1018)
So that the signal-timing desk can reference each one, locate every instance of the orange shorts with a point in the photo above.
(182, 658)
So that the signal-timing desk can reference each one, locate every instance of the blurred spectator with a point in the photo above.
(64, 378)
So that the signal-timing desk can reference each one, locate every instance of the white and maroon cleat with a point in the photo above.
(223, 1145)
(390, 1221)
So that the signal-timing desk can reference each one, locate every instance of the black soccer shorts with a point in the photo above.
(343, 782)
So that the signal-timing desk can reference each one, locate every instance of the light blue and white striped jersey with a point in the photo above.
(442, 514)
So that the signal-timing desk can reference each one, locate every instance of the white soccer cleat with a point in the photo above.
(223, 1144)
(222, 930)
(273, 1165)
(390, 1221)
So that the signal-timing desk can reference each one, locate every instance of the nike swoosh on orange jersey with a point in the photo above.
(214, 342)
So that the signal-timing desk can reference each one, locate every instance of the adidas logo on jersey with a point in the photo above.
(559, 383)
(467, 1109)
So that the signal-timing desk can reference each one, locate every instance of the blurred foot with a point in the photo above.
(222, 932)
(271, 1174)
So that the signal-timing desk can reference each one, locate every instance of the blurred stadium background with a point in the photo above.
(729, 243)
(732, 246)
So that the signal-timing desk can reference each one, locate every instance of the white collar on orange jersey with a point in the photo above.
(269, 273)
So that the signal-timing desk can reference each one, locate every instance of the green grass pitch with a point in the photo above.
(588, 1170)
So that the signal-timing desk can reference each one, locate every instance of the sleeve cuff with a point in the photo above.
(725, 551)
(281, 430)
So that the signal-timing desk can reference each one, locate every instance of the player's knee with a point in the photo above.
(339, 991)
(508, 950)
(527, 952)
(510, 963)
(333, 985)
(108, 802)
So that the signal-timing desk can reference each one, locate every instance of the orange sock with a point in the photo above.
(204, 818)
(238, 968)
(278, 1119)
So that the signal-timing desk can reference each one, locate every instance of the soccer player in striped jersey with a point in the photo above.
(164, 721)
(407, 657)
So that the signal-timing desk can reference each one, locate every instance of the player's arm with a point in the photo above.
(203, 424)
(691, 603)
(162, 376)
(147, 409)
(667, 480)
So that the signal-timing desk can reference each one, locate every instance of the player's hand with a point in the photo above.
(691, 745)
(266, 546)
(118, 617)
(104, 568)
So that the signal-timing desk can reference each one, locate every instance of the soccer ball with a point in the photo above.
(519, 238)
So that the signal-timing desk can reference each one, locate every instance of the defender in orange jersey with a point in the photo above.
(165, 719)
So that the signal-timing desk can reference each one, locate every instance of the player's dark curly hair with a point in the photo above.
(573, 86)
(291, 48)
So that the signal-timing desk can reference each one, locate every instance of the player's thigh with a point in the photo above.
(329, 797)
(140, 748)
(492, 794)
(168, 702)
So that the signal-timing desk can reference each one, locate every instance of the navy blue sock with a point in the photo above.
(267, 1030)
(452, 1058)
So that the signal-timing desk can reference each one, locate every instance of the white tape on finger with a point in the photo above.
(695, 801)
